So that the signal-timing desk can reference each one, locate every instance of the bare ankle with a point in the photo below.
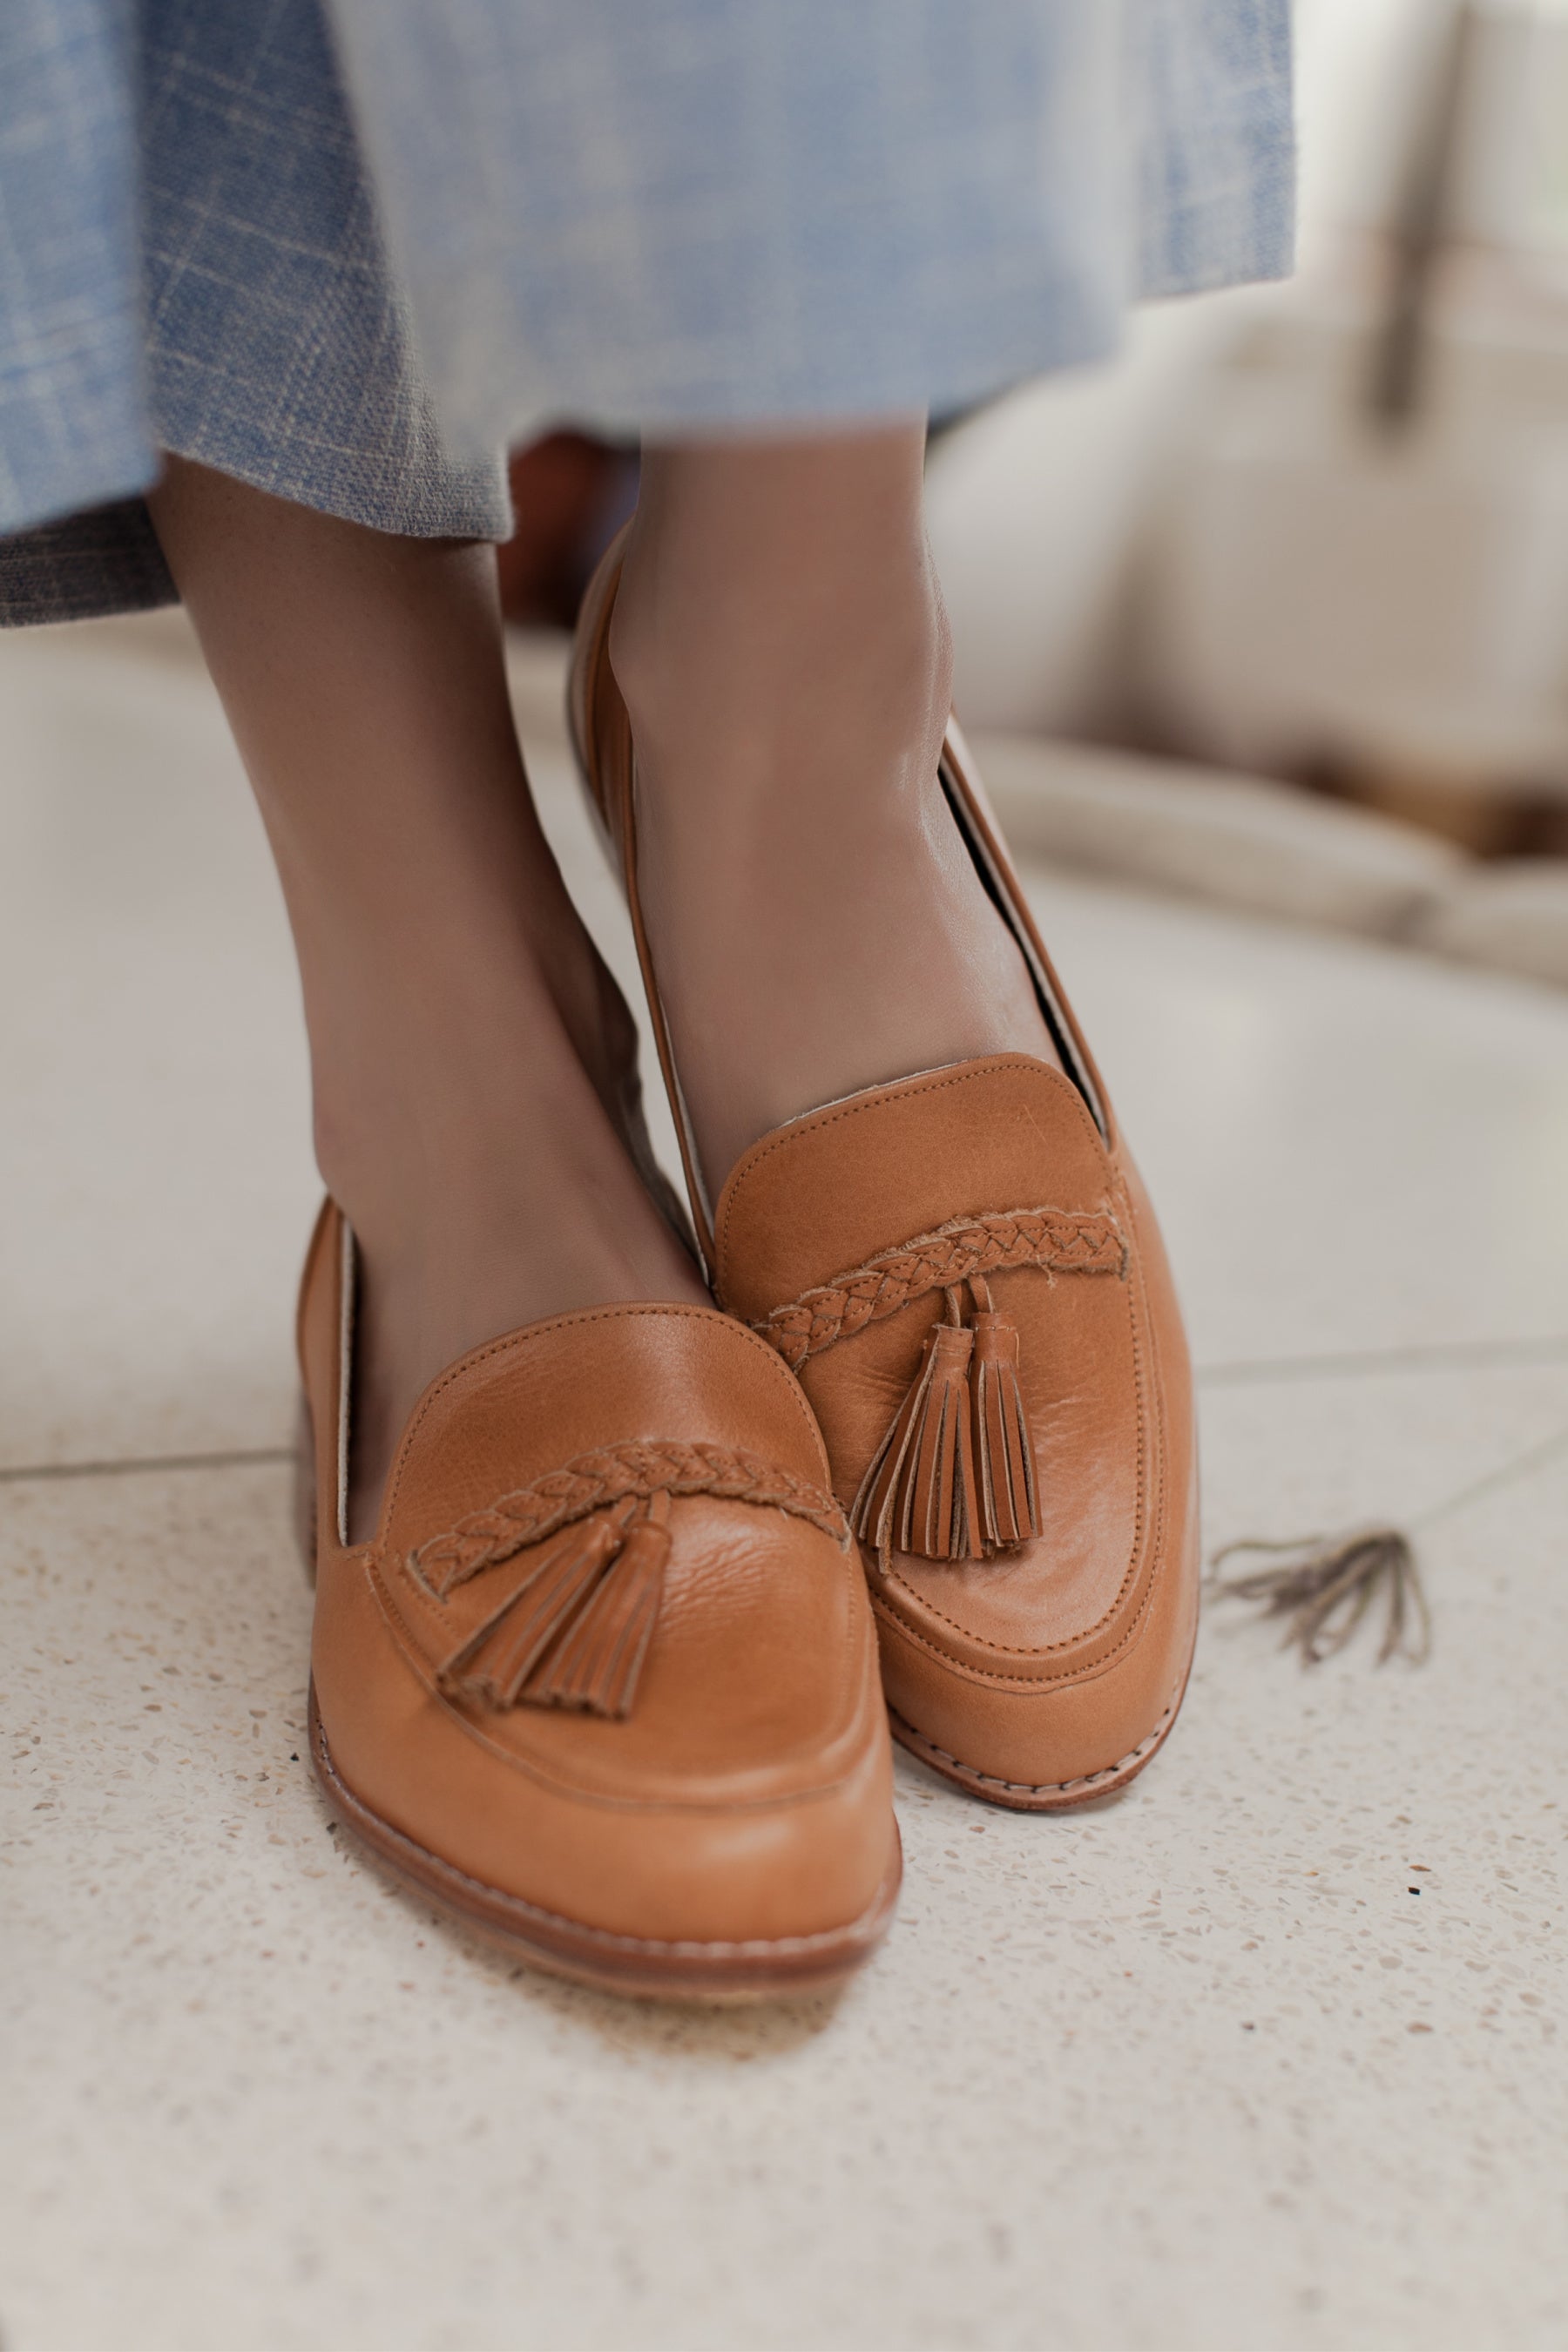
(816, 924)
(740, 710)
(533, 1208)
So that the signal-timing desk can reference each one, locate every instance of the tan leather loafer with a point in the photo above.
(605, 1683)
(965, 1273)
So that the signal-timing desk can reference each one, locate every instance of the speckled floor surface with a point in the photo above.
(1265, 2053)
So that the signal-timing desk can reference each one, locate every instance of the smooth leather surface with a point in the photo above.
(1046, 1664)
(747, 1796)
(1061, 1663)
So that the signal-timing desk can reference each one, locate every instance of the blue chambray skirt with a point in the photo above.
(346, 250)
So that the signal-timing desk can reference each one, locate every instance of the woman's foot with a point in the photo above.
(472, 1062)
(961, 1270)
(815, 921)
(511, 1195)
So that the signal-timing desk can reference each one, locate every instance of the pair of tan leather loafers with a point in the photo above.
(615, 1678)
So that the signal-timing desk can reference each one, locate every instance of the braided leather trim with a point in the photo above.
(1063, 1241)
(593, 1482)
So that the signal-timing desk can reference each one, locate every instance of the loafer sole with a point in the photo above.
(1049, 1797)
(643, 1968)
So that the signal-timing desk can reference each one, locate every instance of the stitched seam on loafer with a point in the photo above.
(1143, 1551)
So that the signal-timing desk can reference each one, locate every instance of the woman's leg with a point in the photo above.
(816, 922)
(470, 1053)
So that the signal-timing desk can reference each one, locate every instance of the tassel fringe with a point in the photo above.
(918, 1495)
(596, 1665)
(1324, 1585)
(954, 1476)
(1003, 1449)
(575, 1631)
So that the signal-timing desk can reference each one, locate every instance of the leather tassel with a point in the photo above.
(1003, 1448)
(497, 1659)
(918, 1495)
(596, 1665)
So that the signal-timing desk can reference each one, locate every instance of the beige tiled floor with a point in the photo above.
(1194, 2068)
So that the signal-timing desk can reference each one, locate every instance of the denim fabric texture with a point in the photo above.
(633, 214)
(713, 213)
(190, 259)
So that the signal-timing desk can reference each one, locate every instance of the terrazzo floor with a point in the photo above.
(1264, 2052)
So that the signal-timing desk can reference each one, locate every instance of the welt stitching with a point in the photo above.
(761, 1946)
(532, 1767)
(1048, 1788)
(518, 1340)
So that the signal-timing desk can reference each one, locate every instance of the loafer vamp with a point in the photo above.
(744, 1795)
(1104, 1593)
